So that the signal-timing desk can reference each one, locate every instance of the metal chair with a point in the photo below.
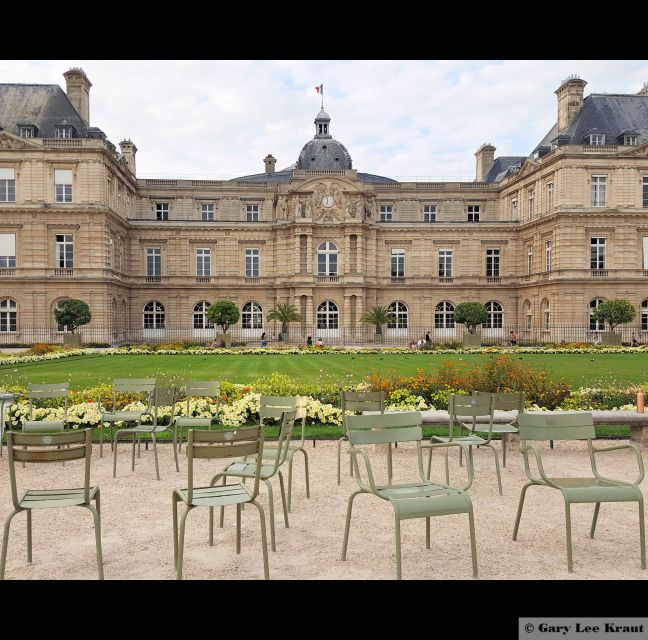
(44, 448)
(6, 400)
(197, 389)
(36, 392)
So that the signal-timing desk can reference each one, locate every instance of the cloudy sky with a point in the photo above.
(415, 120)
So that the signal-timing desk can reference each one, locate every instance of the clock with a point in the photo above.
(327, 201)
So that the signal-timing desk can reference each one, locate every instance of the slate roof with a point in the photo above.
(501, 166)
(286, 174)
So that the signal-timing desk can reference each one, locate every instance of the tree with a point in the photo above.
(471, 314)
(72, 313)
(614, 312)
(378, 316)
(223, 314)
(284, 313)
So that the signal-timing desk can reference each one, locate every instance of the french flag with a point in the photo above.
(320, 89)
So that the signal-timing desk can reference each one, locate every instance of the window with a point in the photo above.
(398, 263)
(26, 132)
(154, 316)
(153, 262)
(597, 253)
(252, 259)
(549, 196)
(203, 262)
(444, 315)
(527, 314)
(8, 315)
(252, 316)
(531, 195)
(63, 185)
(514, 208)
(7, 250)
(200, 317)
(327, 259)
(492, 263)
(644, 315)
(7, 185)
(598, 190)
(63, 132)
(630, 140)
(595, 325)
(546, 313)
(495, 318)
(473, 212)
(207, 212)
(252, 212)
(529, 259)
(386, 213)
(328, 315)
(399, 315)
(597, 138)
(64, 252)
(445, 263)
(429, 213)
(548, 255)
(162, 211)
(645, 192)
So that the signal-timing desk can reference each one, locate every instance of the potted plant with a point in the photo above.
(378, 316)
(284, 313)
(223, 314)
(72, 314)
(471, 315)
(614, 313)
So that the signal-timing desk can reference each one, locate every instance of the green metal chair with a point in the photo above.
(197, 389)
(228, 443)
(6, 400)
(504, 401)
(421, 499)
(596, 489)
(460, 408)
(360, 401)
(162, 397)
(36, 392)
(247, 469)
(43, 448)
(143, 386)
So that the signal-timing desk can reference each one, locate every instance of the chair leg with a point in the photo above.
(347, 524)
(460, 457)
(497, 468)
(429, 465)
(5, 542)
(238, 528)
(504, 441)
(101, 430)
(175, 452)
(390, 464)
(427, 532)
(306, 472)
(222, 509)
(174, 507)
(447, 466)
(157, 466)
(570, 564)
(642, 534)
(398, 547)
(290, 470)
(264, 540)
(96, 514)
(519, 511)
(595, 519)
(283, 499)
(273, 545)
(339, 456)
(115, 455)
(473, 543)
(29, 535)
(181, 537)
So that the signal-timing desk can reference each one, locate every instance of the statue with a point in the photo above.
(318, 194)
(298, 208)
(369, 207)
(282, 210)
(358, 208)
(309, 209)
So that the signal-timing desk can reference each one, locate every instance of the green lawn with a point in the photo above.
(580, 370)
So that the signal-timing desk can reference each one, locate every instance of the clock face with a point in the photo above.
(327, 201)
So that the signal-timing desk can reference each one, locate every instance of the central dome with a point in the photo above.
(323, 152)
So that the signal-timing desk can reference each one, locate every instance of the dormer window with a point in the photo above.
(26, 131)
(63, 131)
(630, 141)
(596, 138)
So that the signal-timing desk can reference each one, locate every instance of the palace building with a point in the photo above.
(540, 240)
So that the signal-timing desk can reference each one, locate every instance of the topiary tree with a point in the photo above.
(72, 313)
(378, 316)
(614, 312)
(223, 314)
(284, 313)
(470, 314)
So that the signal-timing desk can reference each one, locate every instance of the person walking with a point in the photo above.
(513, 338)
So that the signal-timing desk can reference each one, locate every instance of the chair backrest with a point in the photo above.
(164, 397)
(556, 426)
(39, 447)
(274, 406)
(47, 391)
(505, 401)
(384, 428)
(202, 389)
(469, 407)
(363, 401)
(227, 443)
(285, 436)
(134, 385)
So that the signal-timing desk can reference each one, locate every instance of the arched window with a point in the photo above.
(252, 316)
(444, 315)
(595, 325)
(327, 259)
(399, 311)
(528, 318)
(60, 327)
(200, 319)
(644, 315)
(495, 313)
(8, 315)
(154, 316)
(546, 313)
(328, 315)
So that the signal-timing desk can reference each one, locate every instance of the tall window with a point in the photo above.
(64, 252)
(252, 259)
(252, 212)
(7, 185)
(548, 255)
(153, 261)
(527, 314)
(328, 315)
(8, 315)
(597, 253)
(399, 315)
(495, 313)
(327, 259)
(63, 132)
(386, 213)
(492, 263)
(531, 195)
(529, 259)
(445, 263)
(7, 250)
(429, 213)
(26, 132)
(200, 317)
(444, 315)
(597, 138)
(595, 325)
(473, 212)
(644, 315)
(599, 185)
(252, 316)
(645, 192)
(398, 263)
(546, 313)
(63, 185)
(162, 211)
(203, 262)
(154, 316)
(207, 212)
(549, 196)
(514, 208)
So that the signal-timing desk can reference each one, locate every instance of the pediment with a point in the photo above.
(640, 151)
(527, 168)
(9, 141)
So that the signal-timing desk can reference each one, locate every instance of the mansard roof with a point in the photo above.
(502, 167)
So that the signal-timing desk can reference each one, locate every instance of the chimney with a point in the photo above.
(270, 162)
(128, 150)
(570, 100)
(485, 158)
(78, 92)
(644, 91)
